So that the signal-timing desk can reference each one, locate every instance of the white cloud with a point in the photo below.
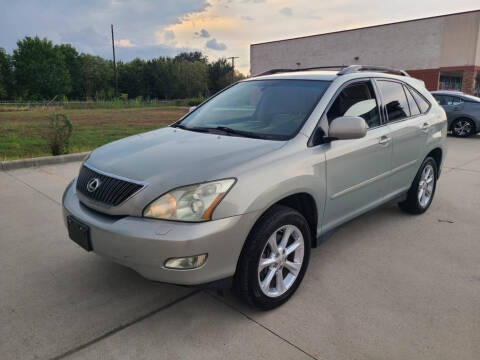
(203, 33)
(124, 43)
(169, 35)
(215, 45)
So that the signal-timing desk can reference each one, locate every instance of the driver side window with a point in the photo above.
(357, 99)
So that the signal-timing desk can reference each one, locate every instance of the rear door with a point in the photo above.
(453, 106)
(408, 129)
(357, 170)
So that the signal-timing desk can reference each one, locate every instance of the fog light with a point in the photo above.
(188, 262)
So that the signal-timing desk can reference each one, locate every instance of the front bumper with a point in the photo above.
(144, 244)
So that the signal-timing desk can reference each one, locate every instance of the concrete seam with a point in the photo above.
(263, 326)
(123, 326)
(459, 167)
(31, 187)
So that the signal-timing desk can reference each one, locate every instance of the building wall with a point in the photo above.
(431, 43)
(429, 76)
(460, 40)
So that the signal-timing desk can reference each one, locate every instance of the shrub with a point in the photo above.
(60, 131)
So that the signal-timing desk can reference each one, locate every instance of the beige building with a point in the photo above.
(444, 51)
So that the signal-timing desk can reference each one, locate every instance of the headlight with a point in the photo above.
(189, 203)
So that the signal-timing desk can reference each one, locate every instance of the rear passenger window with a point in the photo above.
(423, 104)
(414, 110)
(394, 100)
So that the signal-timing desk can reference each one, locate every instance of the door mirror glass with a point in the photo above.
(191, 108)
(347, 127)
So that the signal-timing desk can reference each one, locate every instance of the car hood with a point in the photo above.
(174, 157)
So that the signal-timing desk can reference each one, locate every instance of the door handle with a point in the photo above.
(384, 140)
(425, 127)
(455, 108)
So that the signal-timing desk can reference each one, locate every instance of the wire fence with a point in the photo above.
(93, 104)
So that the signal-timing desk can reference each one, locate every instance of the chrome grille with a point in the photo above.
(112, 191)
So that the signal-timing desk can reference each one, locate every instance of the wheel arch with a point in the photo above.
(305, 204)
(438, 155)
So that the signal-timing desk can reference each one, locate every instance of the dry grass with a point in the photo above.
(23, 133)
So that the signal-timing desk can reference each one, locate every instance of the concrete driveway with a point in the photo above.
(385, 286)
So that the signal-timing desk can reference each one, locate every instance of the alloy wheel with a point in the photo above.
(281, 260)
(425, 186)
(462, 128)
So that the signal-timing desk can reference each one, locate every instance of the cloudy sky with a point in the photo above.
(219, 28)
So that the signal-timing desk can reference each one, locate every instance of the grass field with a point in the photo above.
(23, 134)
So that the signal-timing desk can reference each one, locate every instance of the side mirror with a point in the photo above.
(191, 108)
(347, 127)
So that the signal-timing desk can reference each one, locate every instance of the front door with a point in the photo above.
(357, 170)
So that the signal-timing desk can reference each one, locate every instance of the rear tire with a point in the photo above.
(274, 258)
(463, 127)
(422, 190)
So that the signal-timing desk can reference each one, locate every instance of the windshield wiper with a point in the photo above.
(221, 129)
(192, 128)
(231, 131)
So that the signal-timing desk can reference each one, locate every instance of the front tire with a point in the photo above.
(422, 190)
(274, 258)
(463, 127)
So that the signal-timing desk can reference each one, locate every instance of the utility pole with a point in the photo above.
(233, 66)
(114, 64)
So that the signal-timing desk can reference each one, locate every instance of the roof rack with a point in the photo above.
(276, 71)
(357, 68)
(344, 69)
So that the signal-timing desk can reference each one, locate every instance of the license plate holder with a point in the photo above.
(79, 233)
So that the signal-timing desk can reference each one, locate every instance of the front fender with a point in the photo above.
(262, 186)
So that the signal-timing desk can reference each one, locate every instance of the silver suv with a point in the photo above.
(240, 189)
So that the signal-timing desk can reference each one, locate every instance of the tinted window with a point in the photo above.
(423, 104)
(414, 110)
(273, 109)
(356, 100)
(394, 100)
(440, 99)
(452, 100)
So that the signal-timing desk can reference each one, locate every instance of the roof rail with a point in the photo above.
(276, 71)
(357, 68)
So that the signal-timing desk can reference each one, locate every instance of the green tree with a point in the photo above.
(6, 76)
(192, 77)
(40, 70)
(74, 66)
(191, 56)
(161, 78)
(131, 78)
(97, 77)
(219, 75)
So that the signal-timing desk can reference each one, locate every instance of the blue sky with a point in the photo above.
(148, 29)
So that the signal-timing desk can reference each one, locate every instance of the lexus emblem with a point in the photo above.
(93, 184)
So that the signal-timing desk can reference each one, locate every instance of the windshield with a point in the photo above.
(269, 109)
